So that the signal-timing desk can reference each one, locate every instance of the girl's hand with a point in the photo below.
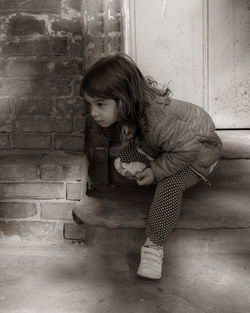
(145, 177)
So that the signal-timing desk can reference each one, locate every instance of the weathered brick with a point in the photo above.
(114, 43)
(64, 26)
(32, 190)
(61, 125)
(7, 107)
(5, 125)
(80, 125)
(14, 87)
(76, 87)
(76, 49)
(95, 25)
(2, 66)
(31, 141)
(52, 47)
(17, 209)
(31, 6)
(23, 67)
(93, 7)
(35, 106)
(69, 107)
(35, 87)
(20, 25)
(36, 124)
(72, 231)
(114, 5)
(4, 141)
(43, 125)
(60, 87)
(69, 143)
(68, 68)
(113, 24)
(19, 167)
(49, 231)
(57, 210)
(61, 167)
(95, 45)
(74, 4)
(75, 191)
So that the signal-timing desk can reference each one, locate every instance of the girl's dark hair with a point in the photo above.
(118, 77)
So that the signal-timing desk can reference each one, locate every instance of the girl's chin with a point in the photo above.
(104, 124)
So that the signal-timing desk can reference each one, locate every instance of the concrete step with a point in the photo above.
(119, 213)
(236, 143)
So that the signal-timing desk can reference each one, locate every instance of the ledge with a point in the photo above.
(219, 206)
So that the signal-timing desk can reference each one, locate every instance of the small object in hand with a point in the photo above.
(129, 170)
(131, 160)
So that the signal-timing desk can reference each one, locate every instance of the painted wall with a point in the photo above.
(200, 49)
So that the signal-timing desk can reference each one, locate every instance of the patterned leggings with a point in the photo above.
(166, 206)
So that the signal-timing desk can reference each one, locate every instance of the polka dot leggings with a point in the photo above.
(166, 206)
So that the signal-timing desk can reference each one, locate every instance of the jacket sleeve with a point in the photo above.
(178, 144)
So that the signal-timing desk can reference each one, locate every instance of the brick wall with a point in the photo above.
(41, 64)
(45, 47)
(102, 28)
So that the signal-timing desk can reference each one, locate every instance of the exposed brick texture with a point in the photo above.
(41, 64)
(18, 168)
(31, 141)
(69, 143)
(75, 191)
(46, 46)
(33, 6)
(62, 168)
(32, 230)
(32, 190)
(57, 210)
(4, 142)
(17, 209)
(25, 25)
(74, 232)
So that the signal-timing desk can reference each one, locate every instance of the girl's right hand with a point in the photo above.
(145, 177)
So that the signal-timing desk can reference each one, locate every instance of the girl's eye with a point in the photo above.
(100, 105)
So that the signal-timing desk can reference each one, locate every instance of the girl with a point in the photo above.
(175, 140)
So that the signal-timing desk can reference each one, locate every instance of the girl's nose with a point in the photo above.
(93, 112)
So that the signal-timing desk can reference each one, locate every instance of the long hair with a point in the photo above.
(118, 77)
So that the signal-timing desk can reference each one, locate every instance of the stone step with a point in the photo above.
(120, 212)
(236, 143)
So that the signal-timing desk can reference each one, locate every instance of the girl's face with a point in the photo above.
(104, 111)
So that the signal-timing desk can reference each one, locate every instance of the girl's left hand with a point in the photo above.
(145, 177)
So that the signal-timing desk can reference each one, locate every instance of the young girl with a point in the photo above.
(175, 140)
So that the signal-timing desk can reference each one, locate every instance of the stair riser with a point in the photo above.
(232, 171)
(228, 241)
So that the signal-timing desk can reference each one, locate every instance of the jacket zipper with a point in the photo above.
(201, 176)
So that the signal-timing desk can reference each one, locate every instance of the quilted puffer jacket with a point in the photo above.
(179, 135)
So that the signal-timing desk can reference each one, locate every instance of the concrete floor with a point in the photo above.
(72, 278)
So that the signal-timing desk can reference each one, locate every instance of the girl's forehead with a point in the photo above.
(92, 99)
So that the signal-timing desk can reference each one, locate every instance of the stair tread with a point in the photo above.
(219, 206)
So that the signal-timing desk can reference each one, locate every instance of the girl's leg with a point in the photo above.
(166, 206)
(162, 218)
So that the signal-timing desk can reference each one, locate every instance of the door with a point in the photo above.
(199, 48)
